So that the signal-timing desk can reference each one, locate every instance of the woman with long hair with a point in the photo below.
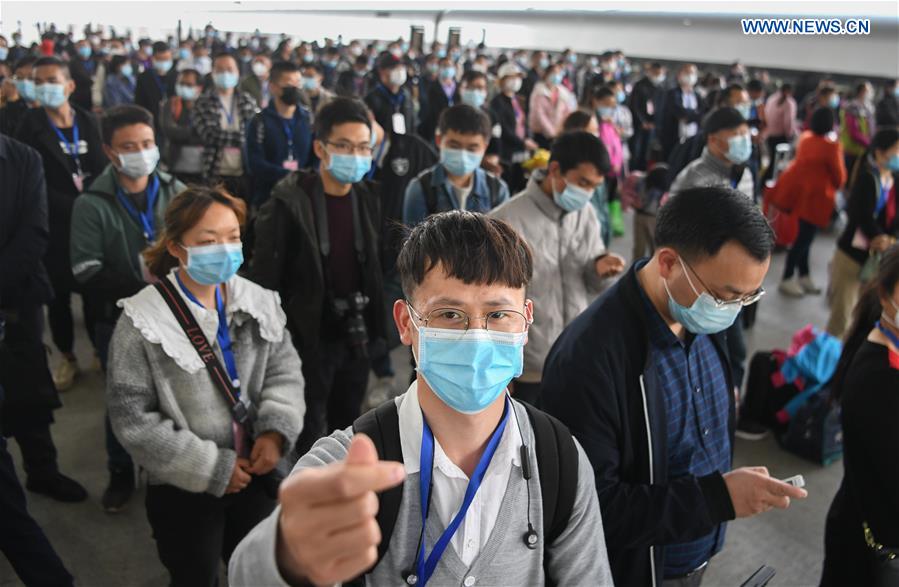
(873, 226)
(865, 511)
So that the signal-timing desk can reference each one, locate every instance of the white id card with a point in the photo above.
(399, 123)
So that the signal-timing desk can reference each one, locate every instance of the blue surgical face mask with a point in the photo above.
(572, 198)
(26, 89)
(213, 264)
(620, 96)
(893, 163)
(459, 161)
(896, 91)
(556, 78)
(187, 92)
(448, 72)
(739, 148)
(745, 110)
(310, 83)
(605, 113)
(225, 80)
(50, 95)
(127, 70)
(184, 53)
(162, 67)
(704, 316)
(441, 53)
(348, 168)
(475, 98)
(84, 52)
(544, 63)
(4, 53)
(468, 370)
(834, 101)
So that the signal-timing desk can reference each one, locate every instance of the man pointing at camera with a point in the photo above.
(485, 490)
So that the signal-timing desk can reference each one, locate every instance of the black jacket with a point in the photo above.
(503, 114)
(147, 91)
(673, 113)
(23, 226)
(287, 258)
(860, 210)
(35, 131)
(381, 106)
(437, 102)
(642, 95)
(599, 381)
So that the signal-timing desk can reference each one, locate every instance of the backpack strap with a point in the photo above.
(382, 425)
(557, 465)
(430, 191)
(493, 186)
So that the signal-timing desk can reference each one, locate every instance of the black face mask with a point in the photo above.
(290, 95)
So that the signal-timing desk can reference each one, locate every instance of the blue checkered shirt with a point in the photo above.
(694, 384)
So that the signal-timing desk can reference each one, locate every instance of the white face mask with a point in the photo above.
(398, 76)
(512, 85)
(895, 317)
(259, 69)
(139, 164)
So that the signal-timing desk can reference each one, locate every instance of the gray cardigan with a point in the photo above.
(162, 404)
(578, 557)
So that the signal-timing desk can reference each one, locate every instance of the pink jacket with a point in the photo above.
(546, 117)
(609, 136)
(780, 119)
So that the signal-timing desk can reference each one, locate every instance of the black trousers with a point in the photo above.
(194, 531)
(797, 257)
(30, 395)
(21, 540)
(336, 382)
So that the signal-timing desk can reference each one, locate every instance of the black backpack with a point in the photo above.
(557, 466)
(431, 191)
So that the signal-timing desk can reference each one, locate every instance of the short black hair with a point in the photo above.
(340, 111)
(315, 66)
(160, 47)
(603, 92)
(471, 247)
(471, 75)
(755, 85)
(123, 115)
(24, 62)
(577, 120)
(223, 55)
(466, 120)
(724, 118)
(571, 149)
(53, 62)
(361, 60)
(386, 60)
(280, 68)
(697, 222)
(190, 71)
(822, 121)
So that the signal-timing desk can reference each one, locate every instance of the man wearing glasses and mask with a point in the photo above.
(643, 381)
(475, 487)
(318, 246)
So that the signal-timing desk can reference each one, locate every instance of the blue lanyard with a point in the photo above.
(881, 198)
(143, 218)
(229, 114)
(71, 148)
(395, 99)
(425, 568)
(289, 132)
(222, 336)
(889, 334)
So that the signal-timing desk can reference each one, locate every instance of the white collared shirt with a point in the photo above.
(450, 482)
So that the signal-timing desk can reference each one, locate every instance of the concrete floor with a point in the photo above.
(103, 550)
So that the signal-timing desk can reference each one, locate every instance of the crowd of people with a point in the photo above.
(252, 224)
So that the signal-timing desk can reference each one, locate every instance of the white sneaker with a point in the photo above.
(65, 373)
(380, 392)
(808, 286)
(790, 287)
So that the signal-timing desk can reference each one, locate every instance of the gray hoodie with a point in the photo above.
(565, 247)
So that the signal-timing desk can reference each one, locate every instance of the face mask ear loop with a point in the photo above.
(687, 274)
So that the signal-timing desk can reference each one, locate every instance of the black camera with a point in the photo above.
(349, 311)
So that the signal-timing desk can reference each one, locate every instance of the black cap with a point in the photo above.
(387, 60)
(722, 119)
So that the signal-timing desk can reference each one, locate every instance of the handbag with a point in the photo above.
(886, 571)
(221, 381)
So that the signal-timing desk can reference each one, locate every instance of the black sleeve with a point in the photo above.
(267, 267)
(862, 202)
(585, 393)
(23, 252)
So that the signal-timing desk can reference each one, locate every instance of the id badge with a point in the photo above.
(399, 123)
(650, 108)
(78, 180)
(291, 164)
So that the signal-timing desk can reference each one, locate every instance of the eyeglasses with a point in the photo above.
(509, 321)
(746, 300)
(346, 148)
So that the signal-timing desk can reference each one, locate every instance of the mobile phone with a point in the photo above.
(795, 481)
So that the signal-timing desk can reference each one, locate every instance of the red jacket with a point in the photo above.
(809, 185)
